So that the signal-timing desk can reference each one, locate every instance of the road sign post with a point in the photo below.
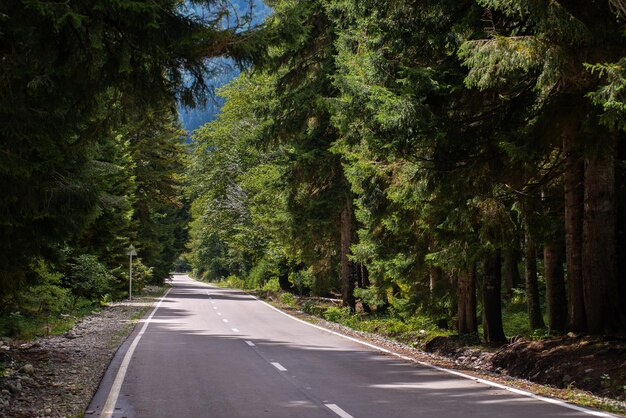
(131, 252)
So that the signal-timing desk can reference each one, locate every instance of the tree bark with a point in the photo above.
(492, 303)
(512, 278)
(347, 268)
(466, 302)
(555, 287)
(599, 281)
(533, 304)
(620, 227)
(436, 284)
(574, 197)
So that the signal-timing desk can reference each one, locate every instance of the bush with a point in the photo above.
(302, 280)
(272, 285)
(287, 299)
(88, 279)
(312, 308)
(234, 282)
(335, 314)
(370, 296)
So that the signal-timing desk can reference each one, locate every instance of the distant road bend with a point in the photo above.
(211, 352)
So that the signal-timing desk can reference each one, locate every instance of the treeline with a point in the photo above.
(428, 151)
(92, 151)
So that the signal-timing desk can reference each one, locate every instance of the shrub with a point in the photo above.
(287, 299)
(272, 285)
(302, 280)
(370, 296)
(88, 279)
(312, 308)
(335, 314)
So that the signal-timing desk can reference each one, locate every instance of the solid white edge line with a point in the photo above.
(454, 372)
(250, 343)
(109, 406)
(333, 407)
(449, 371)
(278, 366)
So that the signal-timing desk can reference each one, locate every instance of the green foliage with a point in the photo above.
(370, 296)
(271, 285)
(302, 280)
(47, 297)
(287, 299)
(142, 275)
(88, 279)
(335, 314)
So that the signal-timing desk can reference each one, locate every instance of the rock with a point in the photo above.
(47, 411)
(28, 369)
(5, 348)
(70, 335)
(14, 388)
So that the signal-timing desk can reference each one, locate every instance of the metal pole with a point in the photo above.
(130, 282)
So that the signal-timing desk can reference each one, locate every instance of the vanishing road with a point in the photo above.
(210, 352)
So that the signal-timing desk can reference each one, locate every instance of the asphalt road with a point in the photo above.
(210, 352)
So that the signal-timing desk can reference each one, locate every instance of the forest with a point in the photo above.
(447, 159)
(438, 159)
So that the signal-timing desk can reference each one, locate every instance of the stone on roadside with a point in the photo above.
(28, 369)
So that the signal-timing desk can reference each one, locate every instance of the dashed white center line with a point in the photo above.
(250, 343)
(333, 407)
(280, 367)
(225, 320)
(219, 313)
(215, 307)
(235, 329)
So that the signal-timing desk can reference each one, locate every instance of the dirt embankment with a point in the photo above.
(594, 364)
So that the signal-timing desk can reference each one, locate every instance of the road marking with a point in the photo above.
(215, 307)
(225, 320)
(250, 343)
(278, 366)
(109, 406)
(337, 410)
(449, 371)
(219, 313)
(235, 329)
(453, 372)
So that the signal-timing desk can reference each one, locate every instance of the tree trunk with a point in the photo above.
(466, 302)
(363, 282)
(532, 288)
(599, 281)
(574, 197)
(436, 284)
(512, 277)
(555, 287)
(492, 303)
(620, 227)
(347, 268)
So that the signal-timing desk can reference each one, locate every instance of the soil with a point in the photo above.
(593, 364)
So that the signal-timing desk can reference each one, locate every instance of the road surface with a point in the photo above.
(211, 352)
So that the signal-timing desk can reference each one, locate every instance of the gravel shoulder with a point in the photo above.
(57, 376)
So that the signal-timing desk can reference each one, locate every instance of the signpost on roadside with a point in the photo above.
(131, 252)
